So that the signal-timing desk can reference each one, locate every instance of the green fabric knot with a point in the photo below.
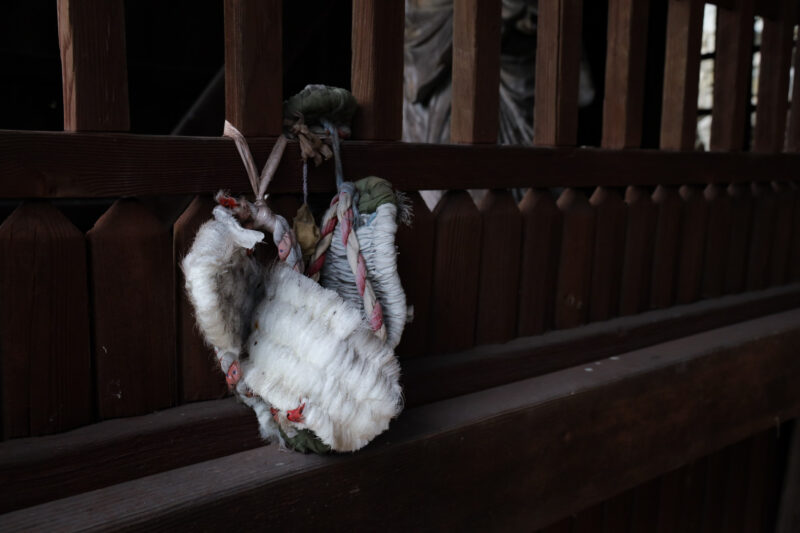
(317, 102)
(306, 441)
(374, 192)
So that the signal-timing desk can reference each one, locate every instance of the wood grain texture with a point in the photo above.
(638, 259)
(415, 263)
(609, 250)
(133, 289)
(732, 72)
(717, 240)
(575, 264)
(693, 241)
(199, 375)
(474, 117)
(94, 72)
(793, 129)
(782, 236)
(681, 74)
(666, 246)
(579, 425)
(777, 41)
(624, 85)
(762, 234)
(55, 165)
(558, 53)
(376, 76)
(742, 212)
(44, 316)
(456, 267)
(37, 470)
(434, 378)
(254, 66)
(501, 240)
(541, 247)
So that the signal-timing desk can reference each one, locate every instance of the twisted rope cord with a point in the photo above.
(343, 211)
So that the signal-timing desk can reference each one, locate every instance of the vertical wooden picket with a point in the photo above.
(199, 374)
(575, 264)
(501, 237)
(666, 244)
(476, 71)
(44, 353)
(558, 52)
(793, 129)
(541, 247)
(732, 71)
(761, 236)
(735, 485)
(625, 61)
(773, 79)
(794, 260)
(609, 248)
(741, 205)
(415, 264)
(692, 249)
(782, 236)
(681, 73)
(254, 66)
(717, 240)
(456, 266)
(93, 65)
(644, 514)
(377, 68)
(638, 259)
(134, 311)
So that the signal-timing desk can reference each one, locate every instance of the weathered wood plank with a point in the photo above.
(501, 239)
(638, 260)
(455, 273)
(762, 234)
(782, 236)
(717, 240)
(415, 264)
(579, 425)
(199, 375)
(36, 470)
(377, 68)
(254, 66)
(44, 316)
(94, 72)
(541, 248)
(777, 41)
(476, 71)
(438, 377)
(609, 248)
(693, 240)
(558, 52)
(575, 264)
(46, 164)
(625, 61)
(733, 65)
(681, 73)
(666, 246)
(741, 205)
(134, 329)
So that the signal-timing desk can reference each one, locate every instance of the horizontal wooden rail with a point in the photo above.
(37, 470)
(58, 165)
(514, 457)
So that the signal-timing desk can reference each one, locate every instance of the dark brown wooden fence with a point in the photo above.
(616, 352)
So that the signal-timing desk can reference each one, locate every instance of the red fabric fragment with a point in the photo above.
(296, 415)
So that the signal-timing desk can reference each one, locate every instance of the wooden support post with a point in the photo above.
(476, 71)
(253, 66)
(732, 71)
(94, 72)
(558, 54)
(681, 73)
(377, 68)
(625, 69)
(773, 79)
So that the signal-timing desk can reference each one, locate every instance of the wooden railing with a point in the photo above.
(627, 248)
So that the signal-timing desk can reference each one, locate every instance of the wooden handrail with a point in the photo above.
(74, 165)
